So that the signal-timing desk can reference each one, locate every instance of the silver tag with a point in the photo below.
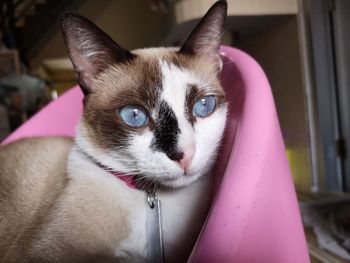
(154, 229)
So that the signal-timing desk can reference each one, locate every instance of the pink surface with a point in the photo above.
(255, 215)
(58, 118)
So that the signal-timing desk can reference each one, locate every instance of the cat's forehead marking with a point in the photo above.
(174, 82)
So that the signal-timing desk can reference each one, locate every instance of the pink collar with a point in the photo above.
(126, 178)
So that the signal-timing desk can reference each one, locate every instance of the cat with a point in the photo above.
(155, 116)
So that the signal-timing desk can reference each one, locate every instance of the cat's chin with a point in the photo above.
(177, 182)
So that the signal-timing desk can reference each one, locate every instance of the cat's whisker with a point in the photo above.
(131, 173)
(141, 178)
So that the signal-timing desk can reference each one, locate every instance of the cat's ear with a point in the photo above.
(90, 49)
(204, 40)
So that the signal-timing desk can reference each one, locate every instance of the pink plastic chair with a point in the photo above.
(255, 215)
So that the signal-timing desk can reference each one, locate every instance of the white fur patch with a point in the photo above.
(206, 133)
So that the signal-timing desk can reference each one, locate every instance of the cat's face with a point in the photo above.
(161, 114)
(158, 112)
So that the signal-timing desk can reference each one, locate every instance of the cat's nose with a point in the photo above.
(187, 158)
(175, 156)
(183, 158)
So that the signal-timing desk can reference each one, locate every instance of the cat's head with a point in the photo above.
(158, 112)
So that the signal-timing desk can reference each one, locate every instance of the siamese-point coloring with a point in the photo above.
(156, 114)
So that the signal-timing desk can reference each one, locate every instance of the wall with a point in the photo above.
(186, 10)
(131, 23)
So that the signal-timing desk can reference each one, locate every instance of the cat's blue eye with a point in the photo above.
(133, 115)
(204, 106)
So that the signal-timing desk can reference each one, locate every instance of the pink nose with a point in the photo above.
(186, 161)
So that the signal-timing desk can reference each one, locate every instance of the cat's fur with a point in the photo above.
(57, 205)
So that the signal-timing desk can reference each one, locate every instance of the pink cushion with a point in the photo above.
(255, 215)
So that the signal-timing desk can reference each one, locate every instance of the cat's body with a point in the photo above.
(84, 214)
(155, 114)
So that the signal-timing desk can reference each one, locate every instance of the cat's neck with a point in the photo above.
(130, 180)
(105, 158)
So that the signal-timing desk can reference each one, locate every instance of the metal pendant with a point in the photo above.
(154, 228)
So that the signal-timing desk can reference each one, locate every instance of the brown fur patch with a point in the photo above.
(136, 83)
(46, 217)
(84, 224)
(192, 95)
(29, 186)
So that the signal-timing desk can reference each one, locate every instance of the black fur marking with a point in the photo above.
(166, 132)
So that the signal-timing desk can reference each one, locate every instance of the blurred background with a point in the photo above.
(302, 46)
